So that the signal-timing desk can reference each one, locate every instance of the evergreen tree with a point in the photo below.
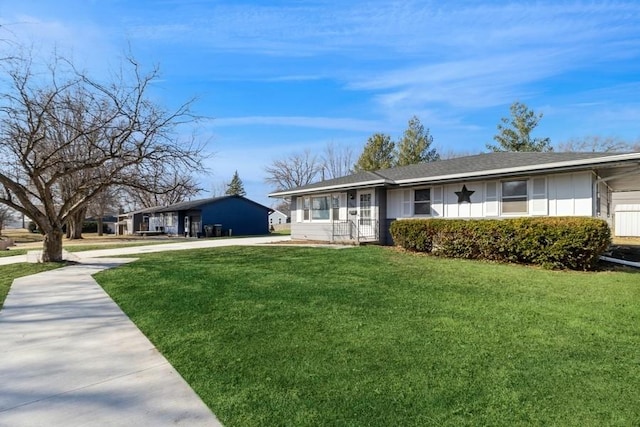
(414, 145)
(235, 187)
(378, 153)
(514, 134)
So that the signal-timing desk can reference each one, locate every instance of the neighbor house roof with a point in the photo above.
(196, 204)
(456, 169)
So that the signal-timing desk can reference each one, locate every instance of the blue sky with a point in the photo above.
(280, 77)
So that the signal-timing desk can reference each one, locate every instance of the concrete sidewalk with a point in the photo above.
(161, 247)
(70, 357)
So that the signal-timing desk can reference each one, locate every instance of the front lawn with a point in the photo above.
(371, 336)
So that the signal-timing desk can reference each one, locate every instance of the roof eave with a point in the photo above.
(324, 189)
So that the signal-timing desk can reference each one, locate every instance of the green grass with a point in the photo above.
(371, 336)
(10, 272)
(14, 252)
(282, 232)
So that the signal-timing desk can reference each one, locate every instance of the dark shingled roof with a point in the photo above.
(483, 162)
(195, 204)
(471, 165)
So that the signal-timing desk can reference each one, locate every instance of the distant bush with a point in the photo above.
(92, 227)
(552, 242)
(33, 228)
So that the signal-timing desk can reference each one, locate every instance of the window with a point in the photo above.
(320, 207)
(305, 209)
(422, 202)
(514, 197)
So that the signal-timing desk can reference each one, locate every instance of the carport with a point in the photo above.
(622, 183)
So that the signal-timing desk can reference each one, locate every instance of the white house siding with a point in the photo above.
(277, 218)
(625, 198)
(475, 209)
(349, 222)
(627, 220)
(167, 222)
(571, 194)
(567, 194)
(321, 231)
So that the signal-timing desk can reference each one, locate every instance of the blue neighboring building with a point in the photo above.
(217, 216)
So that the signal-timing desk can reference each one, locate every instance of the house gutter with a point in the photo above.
(374, 183)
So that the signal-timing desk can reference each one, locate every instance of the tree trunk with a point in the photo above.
(52, 246)
(99, 226)
(75, 224)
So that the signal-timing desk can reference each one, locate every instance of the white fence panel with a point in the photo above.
(627, 221)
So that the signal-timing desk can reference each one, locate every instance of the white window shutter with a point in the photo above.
(394, 204)
(407, 204)
(539, 200)
(437, 207)
(491, 199)
(299, 203)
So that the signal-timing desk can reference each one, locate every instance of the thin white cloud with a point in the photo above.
(302, 28)
(455, 54)
(85, 44)
(306, 122)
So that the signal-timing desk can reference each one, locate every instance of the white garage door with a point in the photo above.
(628, 220)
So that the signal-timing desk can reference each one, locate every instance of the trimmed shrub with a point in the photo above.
(552, 242)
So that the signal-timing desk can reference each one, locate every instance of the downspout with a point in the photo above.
(621, 261)
(595, 196)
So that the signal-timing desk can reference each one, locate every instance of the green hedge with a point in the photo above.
(552, 242)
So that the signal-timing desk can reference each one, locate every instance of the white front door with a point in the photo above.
(366, 218)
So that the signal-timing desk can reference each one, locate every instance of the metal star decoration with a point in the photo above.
(464, 195)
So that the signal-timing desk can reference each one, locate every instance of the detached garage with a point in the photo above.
(627, 221)
(218, 216)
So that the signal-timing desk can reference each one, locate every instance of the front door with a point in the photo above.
(196, 226)
(366, 221)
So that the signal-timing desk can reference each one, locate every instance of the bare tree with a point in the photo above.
(294, 171)
(72, 136)
(219, 188)
(449, 153)
(337, 161)
(598, 144)
(104, 202)
(6, 215)
(175, 187)
(283, 206)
